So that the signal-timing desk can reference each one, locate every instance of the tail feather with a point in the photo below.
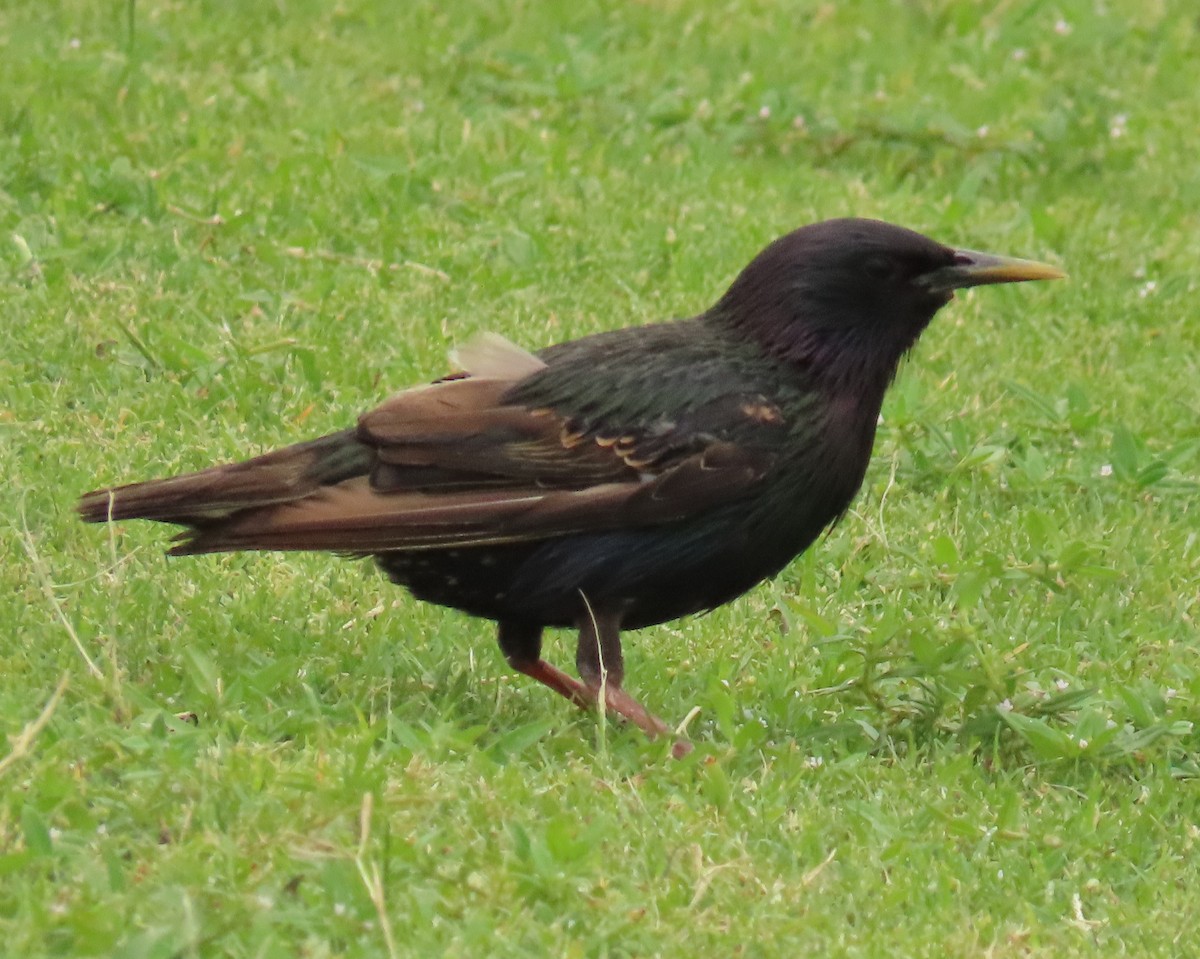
(211, 496)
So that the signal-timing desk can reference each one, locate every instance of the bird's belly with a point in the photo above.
(476, 580)
(648, 577)
(653, 574)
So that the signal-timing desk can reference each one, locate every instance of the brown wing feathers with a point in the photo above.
(446, 465)
(211, 495)
(464, 425)
(355, 517)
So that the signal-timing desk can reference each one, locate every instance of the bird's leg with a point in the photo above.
(521, 644)
(602, 668)
(600, 664)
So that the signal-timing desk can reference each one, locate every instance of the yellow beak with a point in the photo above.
(971, 268)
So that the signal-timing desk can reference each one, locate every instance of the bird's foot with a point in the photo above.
(560, 682)
(616, 700)
(625, 706)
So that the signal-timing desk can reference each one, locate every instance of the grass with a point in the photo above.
(962, 725)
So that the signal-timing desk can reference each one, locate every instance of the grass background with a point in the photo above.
(961, 725)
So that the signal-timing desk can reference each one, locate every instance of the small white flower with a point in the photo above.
(764, 112)
(1020, 54)
(1106, 469)
(1083, 744)
(1062, 28)
(1005, 706)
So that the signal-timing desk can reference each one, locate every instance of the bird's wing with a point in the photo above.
(458, 464)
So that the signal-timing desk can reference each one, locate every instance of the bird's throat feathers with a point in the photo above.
(836, 353)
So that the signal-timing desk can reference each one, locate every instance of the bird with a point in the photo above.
(612, 482)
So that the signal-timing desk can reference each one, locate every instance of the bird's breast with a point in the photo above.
(844, 442)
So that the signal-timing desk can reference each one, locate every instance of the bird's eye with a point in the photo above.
(881, 268)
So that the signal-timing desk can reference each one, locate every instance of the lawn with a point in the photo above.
(961, 725)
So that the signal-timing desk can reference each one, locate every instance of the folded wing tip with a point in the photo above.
(491, 356)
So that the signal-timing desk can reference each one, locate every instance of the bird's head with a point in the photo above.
(847, 298)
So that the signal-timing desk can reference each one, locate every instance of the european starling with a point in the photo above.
(615, 481)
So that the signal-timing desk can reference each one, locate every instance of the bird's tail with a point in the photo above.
(212, 497)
